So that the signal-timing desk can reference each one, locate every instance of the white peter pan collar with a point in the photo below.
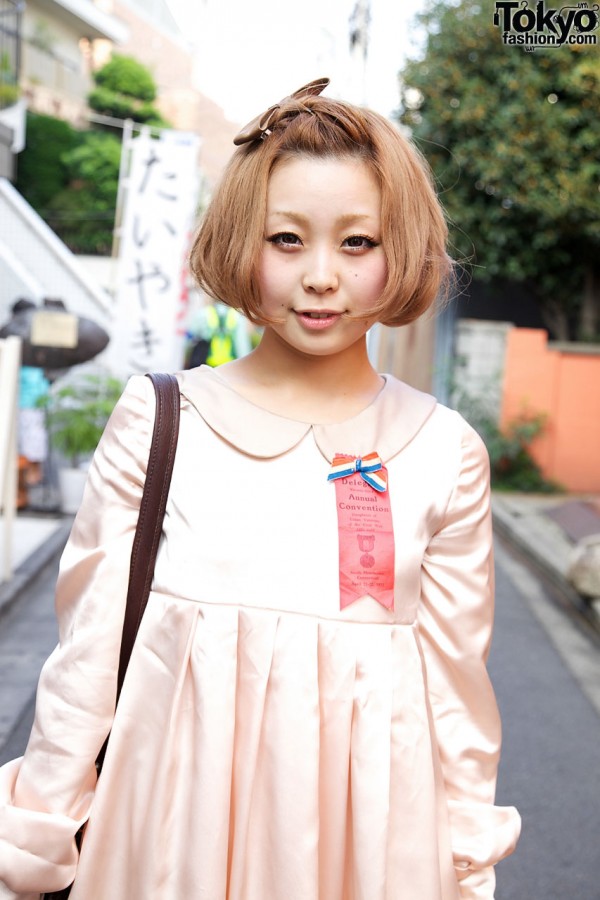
(387, 425)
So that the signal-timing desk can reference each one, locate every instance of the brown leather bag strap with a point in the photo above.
(152, 511)
(146, 539)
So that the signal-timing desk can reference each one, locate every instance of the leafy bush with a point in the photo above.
(9, 94)
(512, 466)
(41, 172)
(125, 89)
(109, 103)
(82, 214)
(71, 177)
(149, 115)
(125, 75)
(78, 412)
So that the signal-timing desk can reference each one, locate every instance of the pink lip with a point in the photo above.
(317, 324)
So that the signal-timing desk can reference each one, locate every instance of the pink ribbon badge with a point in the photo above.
(365, 529)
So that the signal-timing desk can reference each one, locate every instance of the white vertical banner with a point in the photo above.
(160, 203)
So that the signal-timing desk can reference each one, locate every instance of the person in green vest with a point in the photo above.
(217, 334)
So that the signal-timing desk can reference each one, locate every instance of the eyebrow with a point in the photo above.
(347, 219)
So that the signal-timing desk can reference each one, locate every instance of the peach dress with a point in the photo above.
(268, 746)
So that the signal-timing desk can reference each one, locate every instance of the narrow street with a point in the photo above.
(28, 633)
(546, 670)
(545, 665)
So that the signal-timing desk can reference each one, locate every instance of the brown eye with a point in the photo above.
(285, 238)
(359, 242)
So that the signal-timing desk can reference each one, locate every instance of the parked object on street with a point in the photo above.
(584, 568)
(548, 529)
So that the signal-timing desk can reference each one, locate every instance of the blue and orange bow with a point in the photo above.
(369, 466)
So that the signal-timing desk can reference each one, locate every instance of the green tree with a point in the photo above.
(70, 178)
(125, 89)
(82, 214)
(512, 138)
(41, 173)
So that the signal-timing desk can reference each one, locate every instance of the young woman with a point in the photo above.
(306, 714)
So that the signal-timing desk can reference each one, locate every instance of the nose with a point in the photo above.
(321, 274)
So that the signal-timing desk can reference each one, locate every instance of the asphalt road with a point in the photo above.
(28, 633)
(546, 670)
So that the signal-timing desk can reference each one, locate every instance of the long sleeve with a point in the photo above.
(455, 622)
(46, 796)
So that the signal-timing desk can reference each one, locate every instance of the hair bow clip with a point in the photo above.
(259, 127)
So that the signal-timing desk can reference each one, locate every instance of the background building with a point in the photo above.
(49, 50)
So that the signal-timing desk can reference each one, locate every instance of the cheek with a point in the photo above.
(382, 272)
(273, 289)
(261, 269)
(271, 272)
(265, 279)
(373, 278)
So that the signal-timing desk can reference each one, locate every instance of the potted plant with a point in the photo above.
(77, 412)
(9, 89)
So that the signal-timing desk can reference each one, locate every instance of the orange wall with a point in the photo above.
(564, 384)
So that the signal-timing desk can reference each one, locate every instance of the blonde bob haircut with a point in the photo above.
(230, 239)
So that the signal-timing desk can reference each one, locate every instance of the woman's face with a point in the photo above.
(322, 262)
